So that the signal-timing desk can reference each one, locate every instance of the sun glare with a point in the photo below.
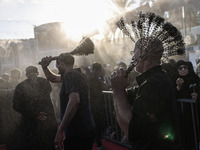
(83, 17)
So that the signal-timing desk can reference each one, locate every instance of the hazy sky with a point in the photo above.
(18, 17)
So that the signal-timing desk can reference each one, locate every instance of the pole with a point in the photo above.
(184, 23)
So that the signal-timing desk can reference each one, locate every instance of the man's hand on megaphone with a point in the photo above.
(45, 61)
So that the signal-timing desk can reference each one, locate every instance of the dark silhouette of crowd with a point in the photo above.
(19, 129)
(24, 123)
(73, 107)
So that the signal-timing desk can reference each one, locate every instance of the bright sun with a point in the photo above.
(82, 17)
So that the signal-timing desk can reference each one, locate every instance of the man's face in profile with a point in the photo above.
(60, 67)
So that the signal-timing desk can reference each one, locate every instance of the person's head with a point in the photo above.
(2, 83)
(64, 62)
(147, 53)
(96, 69)
(31, 70)
(15, 74)
(6, 77)
(182, 67)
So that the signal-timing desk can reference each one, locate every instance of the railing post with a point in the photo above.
(112, 119)
(194, 121)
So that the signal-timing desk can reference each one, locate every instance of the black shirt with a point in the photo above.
(154, 122)
(82, 124)
(31, 97)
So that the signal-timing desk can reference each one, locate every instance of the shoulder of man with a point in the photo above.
(22, 84)
(42, 79)
(74, 72)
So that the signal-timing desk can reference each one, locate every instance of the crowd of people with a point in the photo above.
(30, 106)
(65, 108)
(32, 111)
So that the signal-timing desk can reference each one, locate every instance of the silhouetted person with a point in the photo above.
(188, 86)
(15, 76)
(7, 84)
(76, 119)
(32, 100)
(147, 114)
(97, 103)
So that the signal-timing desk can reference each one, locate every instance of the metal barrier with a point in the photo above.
(194, 116)
(114, 133)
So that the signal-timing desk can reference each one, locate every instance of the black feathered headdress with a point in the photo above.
(151, 26)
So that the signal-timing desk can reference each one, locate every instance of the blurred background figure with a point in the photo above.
(132, 75)
(2, 83)
(6, 77)
(9, 119)
(15, 76)
(97, 84)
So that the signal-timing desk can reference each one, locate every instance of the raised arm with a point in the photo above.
(52, 77)
(124, 114)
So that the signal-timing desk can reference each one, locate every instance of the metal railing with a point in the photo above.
(114, 133)
(194, 115)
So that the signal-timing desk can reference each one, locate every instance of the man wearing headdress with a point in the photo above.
(77, 122)
(147, 114)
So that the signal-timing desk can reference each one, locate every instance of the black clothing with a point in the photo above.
(9, 118)
(82, 125)
(31, 97)
(171, 71)
(191, 81)
(191, 84)
(78, 143)
(154, 121)
(97, 107)
(96, 96)
(187, 88)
